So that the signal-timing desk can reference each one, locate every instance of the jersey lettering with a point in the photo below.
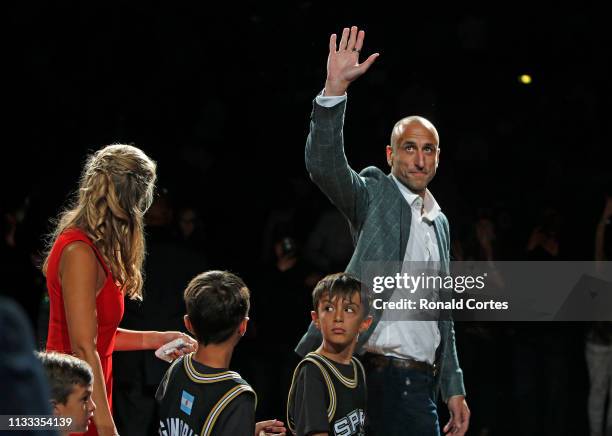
(350, 424)
(174, 427)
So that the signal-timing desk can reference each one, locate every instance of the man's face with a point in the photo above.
(413, 156)
(340, 319)
(79, 406)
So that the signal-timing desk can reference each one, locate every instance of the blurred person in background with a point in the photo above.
(477, 339)
(541, 351)
(287, 278)
(599, 343)
(191, 229)
(25, 390)
(23, 283)
(329, 246)
(544, 241)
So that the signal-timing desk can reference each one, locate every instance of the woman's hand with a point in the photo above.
(161, 338)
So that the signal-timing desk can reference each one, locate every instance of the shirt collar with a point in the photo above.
(430, 205)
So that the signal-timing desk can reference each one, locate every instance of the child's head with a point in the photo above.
(70, 380)
(217, 307)
(341, 308)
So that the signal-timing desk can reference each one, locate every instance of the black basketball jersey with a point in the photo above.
(192, 398)
(326, 396)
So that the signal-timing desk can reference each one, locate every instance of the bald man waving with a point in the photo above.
(393, 218)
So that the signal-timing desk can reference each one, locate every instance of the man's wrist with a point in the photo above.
(459, 396)
(335, 88)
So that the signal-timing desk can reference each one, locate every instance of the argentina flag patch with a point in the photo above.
(187, 402)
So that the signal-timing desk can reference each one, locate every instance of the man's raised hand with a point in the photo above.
(343, 61)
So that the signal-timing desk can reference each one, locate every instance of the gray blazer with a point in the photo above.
(379, 218)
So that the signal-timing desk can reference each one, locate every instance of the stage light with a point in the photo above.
(525, 79)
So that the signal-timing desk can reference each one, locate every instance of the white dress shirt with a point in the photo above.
(416, 340)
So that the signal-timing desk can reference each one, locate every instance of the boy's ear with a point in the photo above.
(243, 326)
(315, 319)
(365, 324)
(56, 408)
(188, 325)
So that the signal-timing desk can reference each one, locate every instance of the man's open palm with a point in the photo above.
(343, 65)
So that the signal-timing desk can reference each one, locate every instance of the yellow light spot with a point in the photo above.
(525, 79)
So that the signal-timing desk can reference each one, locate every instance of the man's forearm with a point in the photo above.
(325, 145)
(326, 161)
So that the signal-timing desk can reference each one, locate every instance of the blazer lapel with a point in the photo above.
(405, 220)
(442, 245)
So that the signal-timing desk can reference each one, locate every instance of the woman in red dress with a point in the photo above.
(94, 260)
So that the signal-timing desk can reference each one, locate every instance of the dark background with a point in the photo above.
(219, 94)
(220, 97)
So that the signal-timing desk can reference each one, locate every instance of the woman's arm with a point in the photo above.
(127, 340)
(78, 277)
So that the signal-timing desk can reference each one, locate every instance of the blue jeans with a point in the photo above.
(400, 402)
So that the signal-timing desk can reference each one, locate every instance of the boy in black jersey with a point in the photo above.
(198, 394)
(328, 390)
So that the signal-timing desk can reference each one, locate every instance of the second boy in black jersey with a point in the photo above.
(199, 395)
(328, 390)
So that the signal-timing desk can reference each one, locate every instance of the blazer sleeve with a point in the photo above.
(451, 376)
(327, 164)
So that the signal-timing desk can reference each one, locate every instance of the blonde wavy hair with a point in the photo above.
(115, 190)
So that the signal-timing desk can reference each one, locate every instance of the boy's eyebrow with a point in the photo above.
(344, 300)
(88, 392)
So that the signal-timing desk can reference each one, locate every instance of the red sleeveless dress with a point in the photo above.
(109, 307)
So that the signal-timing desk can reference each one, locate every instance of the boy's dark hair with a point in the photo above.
(63, 372)
(217, 302)
(342, 285)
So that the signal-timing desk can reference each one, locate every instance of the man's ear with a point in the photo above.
(315, 318)
(437, 157)
(188, 325)
(243, 326)
(365, 324)
(390, 156)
